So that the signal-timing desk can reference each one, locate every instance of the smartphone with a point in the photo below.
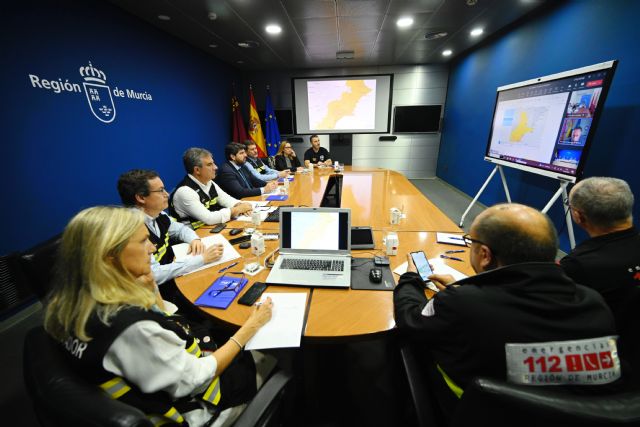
(422, 264)
(218, 228)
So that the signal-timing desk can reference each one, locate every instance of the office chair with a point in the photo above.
(37, 265)
(490, 402)
(62, 398)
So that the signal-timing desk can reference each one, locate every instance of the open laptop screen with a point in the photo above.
(315, 229)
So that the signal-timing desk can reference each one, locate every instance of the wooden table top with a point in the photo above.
(346, 313)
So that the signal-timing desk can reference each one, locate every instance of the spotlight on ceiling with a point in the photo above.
(273, 29)
(476, 32)
(404, 22)
(164, 17)
(447, 52)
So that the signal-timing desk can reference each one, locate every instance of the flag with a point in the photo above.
(271, 126)
(239, 134)
(255, 130)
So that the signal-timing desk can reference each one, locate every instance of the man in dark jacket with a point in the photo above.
(609, 261)
(234, 178)
(518, 296)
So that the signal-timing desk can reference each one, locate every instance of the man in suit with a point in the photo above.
(143, 189)
(197, 200)
(235, 178)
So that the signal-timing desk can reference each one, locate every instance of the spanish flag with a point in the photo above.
(255, 130)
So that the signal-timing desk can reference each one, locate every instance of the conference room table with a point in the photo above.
(337, 314)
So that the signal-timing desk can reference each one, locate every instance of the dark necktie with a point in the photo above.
(244, 178)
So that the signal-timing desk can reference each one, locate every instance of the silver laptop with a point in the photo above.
(314, 248)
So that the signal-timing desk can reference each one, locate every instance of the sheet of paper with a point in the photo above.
(450, 239)
(285, 327)
(263, 213)
(229, 252)
(438, 266)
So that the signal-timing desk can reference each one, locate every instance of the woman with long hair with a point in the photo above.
(106, 311)
(286, 158)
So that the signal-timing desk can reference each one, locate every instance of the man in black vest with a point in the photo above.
(258, 168)
(235, 178)
(197, 200)
(144, 189)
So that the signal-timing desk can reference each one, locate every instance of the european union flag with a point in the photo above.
(271, 127)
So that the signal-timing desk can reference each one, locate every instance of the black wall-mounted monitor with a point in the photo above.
(546, 125)
(284, 119)
(416, 118)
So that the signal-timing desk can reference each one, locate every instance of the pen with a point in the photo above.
(451, 257)
(454, 252)
(228, 267)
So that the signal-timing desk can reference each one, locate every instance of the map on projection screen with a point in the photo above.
(342, 104)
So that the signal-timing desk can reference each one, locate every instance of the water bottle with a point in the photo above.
(286, 185)
(257, 243)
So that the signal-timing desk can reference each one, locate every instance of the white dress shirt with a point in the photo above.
(187, 203)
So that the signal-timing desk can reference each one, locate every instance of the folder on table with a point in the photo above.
(278, 197)
(222, 292)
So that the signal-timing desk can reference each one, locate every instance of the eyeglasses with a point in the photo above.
(233, 286)
(287, 146)
(468, 241)
(161, 190)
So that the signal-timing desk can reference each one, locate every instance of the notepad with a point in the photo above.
(278, 197)
(221, 293)
(450, 239)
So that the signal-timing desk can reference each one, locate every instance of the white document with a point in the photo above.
(450, 239)
(285, 327)
(229, 252)
(438, 266)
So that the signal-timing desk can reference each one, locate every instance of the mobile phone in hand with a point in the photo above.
(422, 265)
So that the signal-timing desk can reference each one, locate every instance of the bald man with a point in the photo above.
(520, 295)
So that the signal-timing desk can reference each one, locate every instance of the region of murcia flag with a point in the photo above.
(98, 93)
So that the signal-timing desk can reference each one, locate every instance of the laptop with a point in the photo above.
(314, 248)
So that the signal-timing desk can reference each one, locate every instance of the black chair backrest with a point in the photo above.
(493, 402)
(37, 264)
(62, 398)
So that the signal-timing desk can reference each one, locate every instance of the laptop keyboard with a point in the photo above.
(275, 215)
(312, 264)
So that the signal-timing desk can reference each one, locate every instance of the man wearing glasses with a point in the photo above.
(143, 189)
(520, 295)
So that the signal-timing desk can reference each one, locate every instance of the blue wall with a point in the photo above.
(574, 34)
(56, 157)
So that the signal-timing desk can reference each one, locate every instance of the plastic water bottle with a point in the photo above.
(285, 185)
(257, 243)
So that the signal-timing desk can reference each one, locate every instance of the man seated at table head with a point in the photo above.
(235, 178)
(609, 261)
(257, 167)
(316, 154)
(143, 189)
(197, 200)
(520, 295)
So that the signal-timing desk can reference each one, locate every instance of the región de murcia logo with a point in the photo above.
(99, 94)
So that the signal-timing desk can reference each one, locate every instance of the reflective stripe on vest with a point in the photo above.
(197, 224)
(260, 169)
(162, 250)
(213, 394)
(455, 388)
(115, 387)
(171, 416)
(194, 349)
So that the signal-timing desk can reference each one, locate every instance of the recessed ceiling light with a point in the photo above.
(476, 32)
(164, 17)
(404, 22)
(447, 52)
(213, 45)
(273, 29)
(249, 44)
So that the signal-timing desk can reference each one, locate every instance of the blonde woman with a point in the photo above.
(106, 312)
(286, 158)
